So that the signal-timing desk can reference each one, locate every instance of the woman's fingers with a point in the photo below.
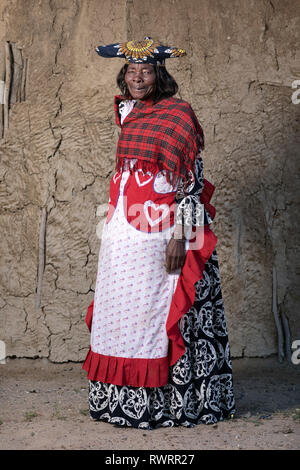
(175, 255)
(174, 262)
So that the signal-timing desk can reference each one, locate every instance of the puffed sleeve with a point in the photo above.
(190, 211)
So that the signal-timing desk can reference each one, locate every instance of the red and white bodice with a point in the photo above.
(148, 200)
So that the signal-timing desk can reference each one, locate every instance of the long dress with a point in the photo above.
(159, 353)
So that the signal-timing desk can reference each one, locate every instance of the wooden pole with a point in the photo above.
(7, 83)
(277, 319)
(41, 258)
(24, 77)
(2, 87)
(287, 336)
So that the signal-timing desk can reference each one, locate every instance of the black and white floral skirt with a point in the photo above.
(200, 388)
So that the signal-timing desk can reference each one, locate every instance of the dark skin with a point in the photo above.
(141, 81)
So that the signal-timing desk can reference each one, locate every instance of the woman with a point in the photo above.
(159, 353)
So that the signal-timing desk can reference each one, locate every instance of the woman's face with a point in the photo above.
(140, 80)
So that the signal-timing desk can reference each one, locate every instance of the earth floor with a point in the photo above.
(45, 406)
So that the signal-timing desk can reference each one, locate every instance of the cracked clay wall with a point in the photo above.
(58, 147)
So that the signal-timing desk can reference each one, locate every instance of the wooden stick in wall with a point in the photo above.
(7, 83)
(24, 77)
(2, 87)
(277, 319)
(41, 258)
(287, 336)
(18, 71)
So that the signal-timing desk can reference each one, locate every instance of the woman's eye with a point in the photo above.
(132, 72)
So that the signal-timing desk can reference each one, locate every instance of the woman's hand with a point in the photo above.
(175, 255)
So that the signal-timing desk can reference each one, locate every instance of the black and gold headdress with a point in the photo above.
(148, 51)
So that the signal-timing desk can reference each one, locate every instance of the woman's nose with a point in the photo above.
(137, 77)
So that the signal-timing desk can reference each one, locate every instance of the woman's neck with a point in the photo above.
(148, 101)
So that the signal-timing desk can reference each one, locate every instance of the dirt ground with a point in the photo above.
(44, 406)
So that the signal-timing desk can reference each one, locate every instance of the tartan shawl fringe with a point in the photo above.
(146, 166)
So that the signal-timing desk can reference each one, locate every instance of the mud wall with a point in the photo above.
(58, 146)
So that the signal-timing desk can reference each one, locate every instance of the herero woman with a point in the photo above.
(159, 352)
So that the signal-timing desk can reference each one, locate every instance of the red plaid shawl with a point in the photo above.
(166, 134)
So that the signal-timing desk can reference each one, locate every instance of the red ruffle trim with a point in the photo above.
(205, 197)
(127, 371)
(89, 315)
(124, 371)
(184, 295)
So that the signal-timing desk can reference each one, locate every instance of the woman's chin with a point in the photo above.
(140, 95)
